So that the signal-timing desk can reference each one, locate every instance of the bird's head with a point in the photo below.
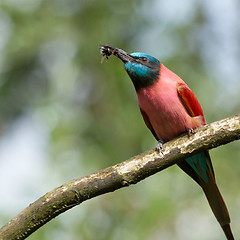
(142, 68)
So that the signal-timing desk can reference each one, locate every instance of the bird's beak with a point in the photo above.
(108, 50)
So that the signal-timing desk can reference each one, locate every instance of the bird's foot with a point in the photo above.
(159, 146)
(189, 132)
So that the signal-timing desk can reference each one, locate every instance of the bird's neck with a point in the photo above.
(144, 81)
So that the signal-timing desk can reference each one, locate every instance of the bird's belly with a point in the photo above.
(168, 125)
(167, 115)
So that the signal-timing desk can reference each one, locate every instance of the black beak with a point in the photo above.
(108, 50)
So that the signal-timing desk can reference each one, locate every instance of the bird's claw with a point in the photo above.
(159, 146)
(189, 132)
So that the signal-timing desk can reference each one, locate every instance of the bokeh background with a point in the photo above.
(64, 115)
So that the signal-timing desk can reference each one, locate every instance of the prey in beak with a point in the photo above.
(108, 50)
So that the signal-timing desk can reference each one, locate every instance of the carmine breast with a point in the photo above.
(165, 110)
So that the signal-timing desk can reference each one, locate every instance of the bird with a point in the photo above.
(170, 108)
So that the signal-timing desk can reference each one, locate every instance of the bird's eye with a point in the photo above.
(144, 59)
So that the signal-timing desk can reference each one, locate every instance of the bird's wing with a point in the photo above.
(148, 123)
(194, 109)
(199, 166)
(190, 102)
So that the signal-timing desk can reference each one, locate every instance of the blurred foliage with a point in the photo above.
(87, 113)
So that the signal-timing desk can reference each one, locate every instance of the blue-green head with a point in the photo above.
(142, 68)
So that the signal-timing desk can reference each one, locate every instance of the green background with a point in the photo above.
(64, 115)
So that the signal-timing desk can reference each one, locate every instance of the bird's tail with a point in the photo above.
(218, 206)
(199, 167)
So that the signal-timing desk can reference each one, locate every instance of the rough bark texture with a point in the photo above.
(121, 175)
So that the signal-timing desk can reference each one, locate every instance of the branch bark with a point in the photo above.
(121, 175)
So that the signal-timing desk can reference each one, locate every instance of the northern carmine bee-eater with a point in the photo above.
(169, 108)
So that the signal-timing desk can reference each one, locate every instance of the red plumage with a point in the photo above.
(169, 108)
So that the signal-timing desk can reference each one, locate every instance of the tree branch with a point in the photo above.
(121, 175)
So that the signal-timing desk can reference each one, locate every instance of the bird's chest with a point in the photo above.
(165, 111)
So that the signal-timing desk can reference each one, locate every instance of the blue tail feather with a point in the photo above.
(199, 164)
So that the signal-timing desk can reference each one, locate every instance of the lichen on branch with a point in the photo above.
(121, 175)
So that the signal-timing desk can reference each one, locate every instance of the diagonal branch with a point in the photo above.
(121, 175)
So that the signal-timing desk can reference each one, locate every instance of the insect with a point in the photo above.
(107, 50)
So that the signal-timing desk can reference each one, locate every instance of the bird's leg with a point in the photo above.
(189, 132)
(159, 146)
